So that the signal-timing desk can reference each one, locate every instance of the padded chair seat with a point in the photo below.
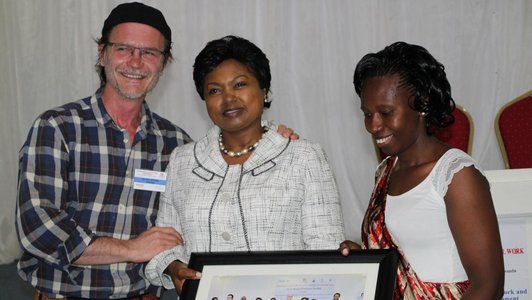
(513, 126)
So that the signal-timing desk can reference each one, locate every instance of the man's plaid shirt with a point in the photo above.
(75, 185)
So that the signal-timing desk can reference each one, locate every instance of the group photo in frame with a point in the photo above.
(293, 275)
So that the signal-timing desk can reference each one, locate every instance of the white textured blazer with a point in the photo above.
(284, 197)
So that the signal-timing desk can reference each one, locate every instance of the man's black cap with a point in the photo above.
(137, 13)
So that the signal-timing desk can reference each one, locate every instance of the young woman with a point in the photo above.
(430, 201)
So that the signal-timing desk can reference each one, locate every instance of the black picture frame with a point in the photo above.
(375, 269)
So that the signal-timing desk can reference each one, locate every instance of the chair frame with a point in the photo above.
(471, 128)
(500, 140)
(469, 142)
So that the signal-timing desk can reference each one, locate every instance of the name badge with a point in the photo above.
(148, 180)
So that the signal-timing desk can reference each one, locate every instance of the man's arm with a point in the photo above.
(44, 220)
(141, 249)
(44, 216)
(287, 132)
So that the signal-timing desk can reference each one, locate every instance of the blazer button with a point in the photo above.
(226, 236)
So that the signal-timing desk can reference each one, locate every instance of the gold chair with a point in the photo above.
(513, 127)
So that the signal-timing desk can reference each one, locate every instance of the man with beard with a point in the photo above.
(85, 215)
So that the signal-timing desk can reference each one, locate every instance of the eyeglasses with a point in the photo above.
(126, 51)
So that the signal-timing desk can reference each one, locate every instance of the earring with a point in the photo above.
(423, 113)
(267, 100)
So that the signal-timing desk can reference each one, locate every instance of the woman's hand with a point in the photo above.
(347, 245)
(179, 272)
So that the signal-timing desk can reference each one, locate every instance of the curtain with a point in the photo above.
(49, 55)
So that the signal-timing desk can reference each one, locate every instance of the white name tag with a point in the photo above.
(149, 180)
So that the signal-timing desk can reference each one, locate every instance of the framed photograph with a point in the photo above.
(293, 275)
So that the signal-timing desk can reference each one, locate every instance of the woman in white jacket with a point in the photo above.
(243, 187)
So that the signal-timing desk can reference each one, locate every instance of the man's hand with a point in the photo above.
(347, 245)
(152, 242)
(179, 273)
(287, 132)
(106, 250)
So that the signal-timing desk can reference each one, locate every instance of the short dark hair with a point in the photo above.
(237, 48)
(419, 72)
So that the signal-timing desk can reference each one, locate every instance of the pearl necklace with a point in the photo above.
(246, 150)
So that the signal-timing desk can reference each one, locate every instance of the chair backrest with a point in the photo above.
(458, 135)
(513, 127)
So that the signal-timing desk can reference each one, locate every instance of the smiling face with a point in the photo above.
(234, 98)
(131, 76)
(388, 117)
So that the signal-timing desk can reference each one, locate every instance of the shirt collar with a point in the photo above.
(209, 157)
(104, 119)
